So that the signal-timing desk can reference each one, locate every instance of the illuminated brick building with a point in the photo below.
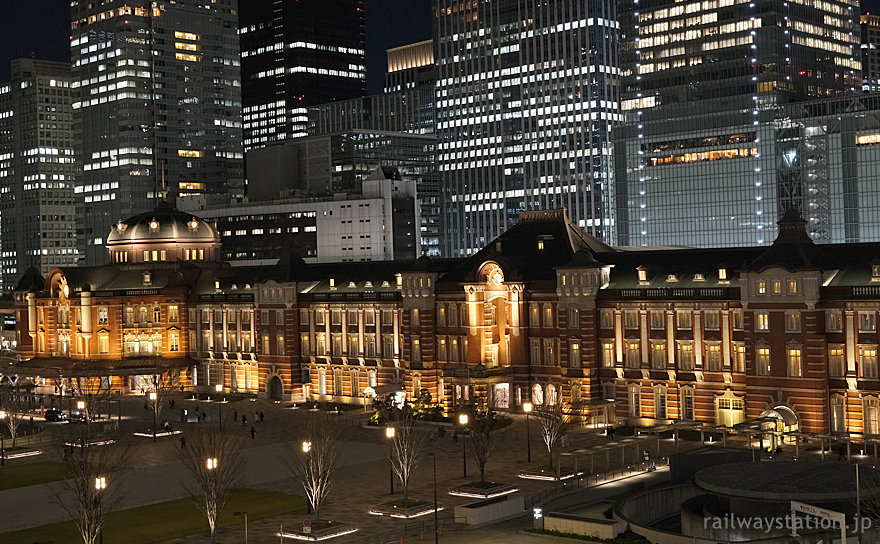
(545, 313)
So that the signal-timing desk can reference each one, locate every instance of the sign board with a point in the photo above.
(307, 526)
(816, 511)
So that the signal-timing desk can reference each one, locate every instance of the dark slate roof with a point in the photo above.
(516, 250)
(793, 248)
(31, 281)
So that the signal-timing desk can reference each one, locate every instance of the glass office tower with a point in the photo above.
(295, 55)
(157, 104)
(526, 95)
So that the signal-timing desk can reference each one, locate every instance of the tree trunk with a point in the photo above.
(482, 475)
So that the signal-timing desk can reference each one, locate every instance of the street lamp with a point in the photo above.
(100, 485)
(2, 441)
(153, 397)
(389, 434)
(211, 463)
(245, 524)
(527, 408)
(218, 388)
(306, 446)
(463, 421)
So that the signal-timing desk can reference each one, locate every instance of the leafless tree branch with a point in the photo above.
(314, 456)
(408, 444)
(213, 457)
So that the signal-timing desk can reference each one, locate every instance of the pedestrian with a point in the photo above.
(235, 415)
(253, 433)
(172, 403)
(563, 440)
(204, 416)
(244, 420)
(182, 442)
(261, 416)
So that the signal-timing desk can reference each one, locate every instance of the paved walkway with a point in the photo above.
(362, 479)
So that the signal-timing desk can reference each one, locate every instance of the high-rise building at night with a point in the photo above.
(157, 103)
(411, 65)
(295, 55)
(706, 88)
(730, 51)
(37, 214)
(526, 96)
(870, 53)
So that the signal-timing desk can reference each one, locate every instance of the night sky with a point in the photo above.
(42, 27)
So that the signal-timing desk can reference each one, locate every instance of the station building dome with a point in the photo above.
(164, 234)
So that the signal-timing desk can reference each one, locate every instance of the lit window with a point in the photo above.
(643, 274)
(722, 274)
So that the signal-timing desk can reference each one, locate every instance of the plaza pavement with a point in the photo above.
(362, 478)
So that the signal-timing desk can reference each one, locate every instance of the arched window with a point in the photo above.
(551, 395)
(142, 314)
(537, 394)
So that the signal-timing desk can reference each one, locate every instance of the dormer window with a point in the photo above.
(352, 285)
(875, 272)
(217, 284)
(643, 274)
(368, 284)
(542, 239)
(722, 274)
(148, 278)
(699, 277)
(671, 278)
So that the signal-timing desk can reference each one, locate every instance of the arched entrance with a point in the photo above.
(274, 388)
(776, 421)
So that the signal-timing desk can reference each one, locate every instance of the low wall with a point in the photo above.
(579, 525)
(490, 510)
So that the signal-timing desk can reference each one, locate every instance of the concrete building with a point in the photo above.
(378, 223)
(295, 55)
(326, 164)
(526, 96)
(157, 104)
(733, 173)
(37, 212)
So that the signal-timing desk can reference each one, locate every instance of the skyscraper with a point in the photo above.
(157, 103)
(870, 26)
(712, 135)
(728, 51)
(37, 221)
(295, 55)
(526, 95)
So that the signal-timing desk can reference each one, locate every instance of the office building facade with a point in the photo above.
(736, 53)
(295, 55)
(526, 95)
(870, 53)
(37, 211)
(327, 164)
(379, 223)
(734, 174)
(157, 106)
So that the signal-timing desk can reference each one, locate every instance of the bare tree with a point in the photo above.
(552, 426)
(160, 391)
(408, 444)
(14, 409)
(93, 489)
(315, 456)
(213, 457)
(483, 438)
(94, 392)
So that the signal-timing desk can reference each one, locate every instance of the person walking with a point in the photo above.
(261, 416)
(253, 433)
(182, 442)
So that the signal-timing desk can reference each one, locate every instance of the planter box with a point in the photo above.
(394, 510)
(580, 525)
(548, 474)
(478, 491)
(490, 510)
(324, 531)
